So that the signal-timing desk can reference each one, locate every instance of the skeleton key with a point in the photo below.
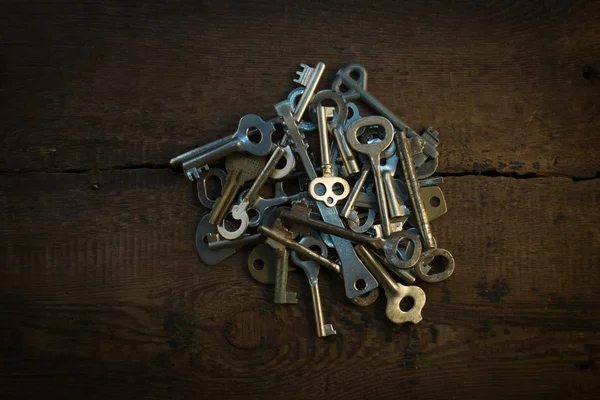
(395, 292)
(374, 150)
(240, 142)
(240, 169)
(398, 211)
(240, 211)
(311, 269)
(431, 252)
(324, 188)
(357, 279)
(282, 253)
(209, 256)
(307, 126)
(309, 78)
(201, 184)
(337, 129)
(358, 90)
(389, 245)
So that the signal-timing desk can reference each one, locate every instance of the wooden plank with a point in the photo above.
(101, 290)
(511, 88)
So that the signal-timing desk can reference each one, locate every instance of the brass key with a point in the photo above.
(241, 168)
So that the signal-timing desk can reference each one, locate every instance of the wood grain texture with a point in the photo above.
(102, 294)
(101, 289)
(512, 88)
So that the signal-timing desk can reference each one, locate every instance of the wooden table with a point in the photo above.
(102, 292)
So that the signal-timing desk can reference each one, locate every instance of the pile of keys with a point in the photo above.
(358, 215)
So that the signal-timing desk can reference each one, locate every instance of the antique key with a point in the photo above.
(324, 188)
(373, 151)
(240, 169)
(240, 211)
(202, 182)
(431, 251)
(240, 142)
(208, 255)
(311, 269)
(413, 297)
(389, 245)
(357, 279)
(309, 78)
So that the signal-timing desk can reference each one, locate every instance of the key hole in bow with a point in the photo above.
(355, 74)
(254, 134)
(320, 189)
(435, 201)
(258, 264)
(407, 303)
(213, 187)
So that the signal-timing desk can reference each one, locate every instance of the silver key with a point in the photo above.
(357, 279)
(324, 188)
(395, 292)
(337, 129)
(309, 78)
(293, 97)
(282, 253)
(311, 269)
(240, 141)
(360, 182)
(431, 251)
(373, 151)
(215, 242)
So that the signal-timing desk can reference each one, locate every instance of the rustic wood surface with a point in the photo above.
(102, 294)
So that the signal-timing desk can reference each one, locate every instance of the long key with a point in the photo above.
(373, 151)
(311, 269)
(431, 252)
(309, 78)
(395, 292)
(282, 252)
(359, 91)
(240, 211)
(328, 181)
(240, 142)
(338, 125)
(357, 278)
(389, 245)
(240, 169)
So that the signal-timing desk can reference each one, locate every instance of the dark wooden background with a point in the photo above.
(103, 295)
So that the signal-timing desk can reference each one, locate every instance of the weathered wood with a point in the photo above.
(101, 289)
(511, 88)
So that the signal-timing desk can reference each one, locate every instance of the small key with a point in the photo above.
(309, 78)
(373, 151)
(354, 221)
(389, 245)
(207, 255)
(311, 269)
(404, 303)
(398, 211)
(239, 142)
(434, 202)
(241, 168)
(215, 242)
(293, 97)
(240, 211)
(324, 188)
(338, 125)
(431, 252)
(201, 185)
(357, 278)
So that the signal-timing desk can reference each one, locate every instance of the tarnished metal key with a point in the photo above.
(431, 253)
(240, 142)
(208, 255)
(373, 151)
(240, 169)
(389, 245)
(240, 211)
(357, 279)
(324, 188)
(404, 303)
(311, 269)
(309, 78)
(201, 185)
